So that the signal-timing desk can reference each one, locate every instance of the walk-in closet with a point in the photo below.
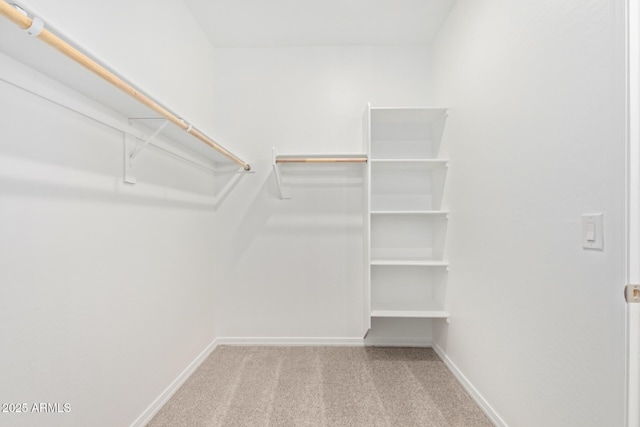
(334, 213)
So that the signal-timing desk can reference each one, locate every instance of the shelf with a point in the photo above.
(407, 237)
(406, 186)
(408, 289)
(428, 112)
(409, 212)
(402, 203)
(410, 262)
(69, 84)
(406, 133)
(410, 314)
(429, 163)
(407, 120)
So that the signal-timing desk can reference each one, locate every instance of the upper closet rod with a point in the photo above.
(35, 27)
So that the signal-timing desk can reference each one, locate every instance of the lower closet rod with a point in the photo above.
(35, 27)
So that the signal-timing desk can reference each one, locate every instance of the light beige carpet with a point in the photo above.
(321, 386)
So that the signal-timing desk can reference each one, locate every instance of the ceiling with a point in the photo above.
(277, 23)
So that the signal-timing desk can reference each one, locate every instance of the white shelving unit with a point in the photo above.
(405, 221)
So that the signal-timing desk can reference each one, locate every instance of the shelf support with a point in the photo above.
(230, 185)
(131, 150)
(129, 145)
(284, 193)
(145, 143)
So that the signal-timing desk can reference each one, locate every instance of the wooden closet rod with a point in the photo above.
(322, 160)
(35, 27)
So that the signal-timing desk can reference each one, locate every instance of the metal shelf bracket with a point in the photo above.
(284, 192)
(230, 185)
(146, 142)
(132, 149)
(129, 145)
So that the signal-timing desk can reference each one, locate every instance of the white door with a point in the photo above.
(634, 210)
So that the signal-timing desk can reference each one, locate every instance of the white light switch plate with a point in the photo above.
(592, 233)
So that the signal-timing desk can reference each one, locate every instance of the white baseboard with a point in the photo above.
(481, 401)
(157, 404)
(397, 342)
(341, 341)
(292, 341)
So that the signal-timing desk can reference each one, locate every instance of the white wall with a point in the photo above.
(107, 289)
(536, 139)
(293, 268)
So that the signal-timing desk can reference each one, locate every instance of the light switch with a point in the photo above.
(592, 233)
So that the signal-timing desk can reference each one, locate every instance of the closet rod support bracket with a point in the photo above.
(284, 192)
(129, 145)
(146, 142)
(132, 149)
